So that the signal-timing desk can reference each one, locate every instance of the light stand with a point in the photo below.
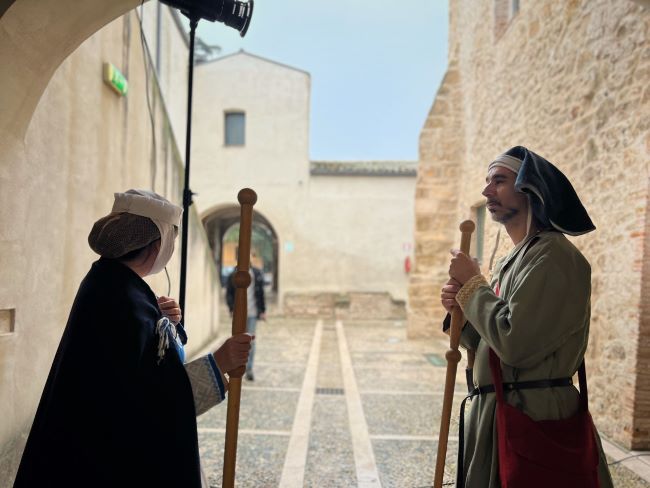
(235, 14)
(187, 193)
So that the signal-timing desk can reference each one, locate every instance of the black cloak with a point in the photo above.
(110, 415)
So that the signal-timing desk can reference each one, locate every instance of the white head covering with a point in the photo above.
(138, 218)
(513, 164)
(506, 161)
(164, 214)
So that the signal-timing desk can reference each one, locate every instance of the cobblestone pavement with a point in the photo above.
(369, 403)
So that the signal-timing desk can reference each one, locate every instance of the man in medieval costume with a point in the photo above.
(534, 312)
(119, 407)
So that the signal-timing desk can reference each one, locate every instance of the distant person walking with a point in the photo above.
(256, 307)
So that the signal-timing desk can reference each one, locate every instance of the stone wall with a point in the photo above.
(436, 204)
(569, 80)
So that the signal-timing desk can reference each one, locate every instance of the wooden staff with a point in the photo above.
(453, 358)
(241, 280)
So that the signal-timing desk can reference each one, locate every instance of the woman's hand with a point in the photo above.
(233, 353)
(170, 309)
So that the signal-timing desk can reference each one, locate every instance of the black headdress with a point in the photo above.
(554, 201)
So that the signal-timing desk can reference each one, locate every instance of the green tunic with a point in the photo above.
(539, 327)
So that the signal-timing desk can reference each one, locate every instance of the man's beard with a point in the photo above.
(509, 214)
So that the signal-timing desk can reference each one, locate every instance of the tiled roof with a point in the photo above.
(364, 168)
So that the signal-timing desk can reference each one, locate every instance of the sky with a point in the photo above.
(375, 67)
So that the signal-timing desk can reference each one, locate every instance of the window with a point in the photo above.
(504, 12)
(514, 8)
(235, 123)
(480, 232)
(7, 321)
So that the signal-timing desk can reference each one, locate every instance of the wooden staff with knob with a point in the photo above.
(453, 358)
(241, 280)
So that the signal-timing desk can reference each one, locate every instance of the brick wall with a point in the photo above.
(569, 80)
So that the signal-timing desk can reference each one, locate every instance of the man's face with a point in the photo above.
(502, 201)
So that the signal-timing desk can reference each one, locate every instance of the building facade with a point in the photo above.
(342, 230)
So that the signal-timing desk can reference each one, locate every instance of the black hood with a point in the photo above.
(554, 201)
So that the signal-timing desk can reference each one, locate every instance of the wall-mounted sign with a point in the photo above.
(114, 78)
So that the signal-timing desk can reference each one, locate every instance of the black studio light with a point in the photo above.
(233, 13)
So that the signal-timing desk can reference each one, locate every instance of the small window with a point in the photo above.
(480, 232)
(514, 8)
(504, 12)
(235, 123)
(7, 321)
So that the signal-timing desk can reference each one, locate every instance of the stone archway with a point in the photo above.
(35, 38)
(218, 222)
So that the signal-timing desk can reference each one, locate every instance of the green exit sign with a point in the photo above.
(114, 78)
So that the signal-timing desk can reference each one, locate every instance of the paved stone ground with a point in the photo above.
(392, 384)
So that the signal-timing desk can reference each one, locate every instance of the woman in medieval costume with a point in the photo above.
(534, 311)
(119, 407)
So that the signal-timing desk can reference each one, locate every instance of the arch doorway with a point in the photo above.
(222, 228)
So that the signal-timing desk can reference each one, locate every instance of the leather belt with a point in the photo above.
(522, 385)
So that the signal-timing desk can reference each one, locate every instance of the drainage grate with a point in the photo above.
(329, 391)
(435, 359)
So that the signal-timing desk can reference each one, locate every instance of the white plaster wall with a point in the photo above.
(276, 101)
(338, 233)
(172, 73)
(353, 234)
(83, 143)
(274, 161)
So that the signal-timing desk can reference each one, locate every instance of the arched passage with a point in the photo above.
(264, 241)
